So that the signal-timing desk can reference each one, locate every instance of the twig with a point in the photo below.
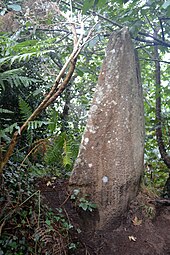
(39, 207)
(34, 148)
(162, 61)
(65, 200)
(155, 39)
(165, 202)
(162, 29)
(3, 223)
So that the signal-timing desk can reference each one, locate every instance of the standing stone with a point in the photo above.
(110, 161)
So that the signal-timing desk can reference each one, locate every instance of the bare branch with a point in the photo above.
(161, 61)
(155, 39)
(161, 25)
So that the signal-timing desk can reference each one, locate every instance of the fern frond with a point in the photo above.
(10, 129)
(2, 110)
(14, 78)
(24, 57)
(25, 108)
(53, 121)
(37, 124)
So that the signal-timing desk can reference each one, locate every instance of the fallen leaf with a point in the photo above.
(132, 238)
(49, 183)
(136, 221)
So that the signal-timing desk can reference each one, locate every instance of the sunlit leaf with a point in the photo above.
(15, 7)
(166, 4)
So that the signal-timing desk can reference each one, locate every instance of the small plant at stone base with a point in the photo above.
(82, 202)
(64, 223)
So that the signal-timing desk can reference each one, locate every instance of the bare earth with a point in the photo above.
(145, 230)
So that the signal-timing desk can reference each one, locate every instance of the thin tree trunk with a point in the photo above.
(159, 135)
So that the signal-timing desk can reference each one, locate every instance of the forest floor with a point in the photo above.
(144, 230)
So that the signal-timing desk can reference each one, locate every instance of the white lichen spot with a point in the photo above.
(114, 102)
(105, 179)
(94, 108)
(90, 165)
(109, 141)
(92, 129)
(99, 97)
(86, 140)
(78, 161)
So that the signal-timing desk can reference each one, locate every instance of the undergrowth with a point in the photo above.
(27, 226)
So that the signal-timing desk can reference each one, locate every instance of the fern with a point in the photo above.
(37, 124)
(9, 130)
(25, 108)
(54, 154)
(23, 57)
(53, 121)
(14, 78)
(5, 111)
(61, 154)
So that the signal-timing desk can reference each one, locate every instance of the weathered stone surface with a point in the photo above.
(110, 160)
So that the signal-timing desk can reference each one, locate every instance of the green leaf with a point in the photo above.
(93, 205)
(5, 111)
(25, 109)
(84, 206)
(36, 124)
(10, 129)
(87, 5)
(166, 4)
(48, 222)
(101, 3)
(14, 7)
(67, 154)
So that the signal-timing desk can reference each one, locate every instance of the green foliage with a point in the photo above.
(17, 196)
(25, 108)
(5, 111)
(14, 78)
(15, 7)
(37, 124)
(4, 133)
(34, 228)
(86, 205)
(61, 154)
(92, 4)
(82, 202)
